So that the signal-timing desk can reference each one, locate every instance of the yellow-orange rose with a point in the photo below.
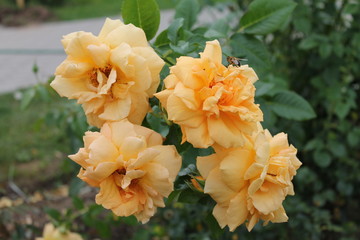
(211, 103)
(112, 75)
(52, 233)
(131, 167)
(251, 182)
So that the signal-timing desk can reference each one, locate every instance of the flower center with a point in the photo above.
(94, 75)
(121, 171)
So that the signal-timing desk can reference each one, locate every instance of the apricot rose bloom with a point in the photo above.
(251, 182)
(112, 75)
(211, 103)
(130, 166)
(52, 233)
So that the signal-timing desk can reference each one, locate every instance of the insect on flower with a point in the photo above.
(235, 61)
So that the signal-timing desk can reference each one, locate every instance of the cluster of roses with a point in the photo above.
(113, 75)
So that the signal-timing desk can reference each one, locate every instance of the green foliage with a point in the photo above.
(251, 48)
(188, 10)
(142, 13)
(264, 16)
(290, 105)
(317, 55)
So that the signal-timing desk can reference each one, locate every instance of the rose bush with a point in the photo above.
(205, 107)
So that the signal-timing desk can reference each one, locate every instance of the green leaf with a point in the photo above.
(53, 213)
(342, 109)
(43, 92)
(217, 30)
(262, 88)
(308, 43)
(35, 68)
(290, 105)
(213, 226)
(325, 50)
(28, 96)
(188, 10)
(142, 13)
(141, 234)
(173, 197)
(75, 186)
(157, 122)
(269, 116)
(189, 196)
(265, 16)
(182, 48)
(353, 137)
(174, 29)
(352, 8)
(162, 39)
(345, 188)
(251, 48)
(78, 203)
(337, 149)
(322, 158)
(131, 220)
(313, 144)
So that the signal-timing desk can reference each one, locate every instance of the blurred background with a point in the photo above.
(316, 54)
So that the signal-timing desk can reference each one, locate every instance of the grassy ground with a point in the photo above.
(25, 138)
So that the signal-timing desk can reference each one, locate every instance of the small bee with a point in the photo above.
(235, 61)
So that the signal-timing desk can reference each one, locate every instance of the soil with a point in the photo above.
(12, 17)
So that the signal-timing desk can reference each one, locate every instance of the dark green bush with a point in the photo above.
(318, 55)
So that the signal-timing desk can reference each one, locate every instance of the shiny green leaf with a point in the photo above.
(144, 14)
(265, 16)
